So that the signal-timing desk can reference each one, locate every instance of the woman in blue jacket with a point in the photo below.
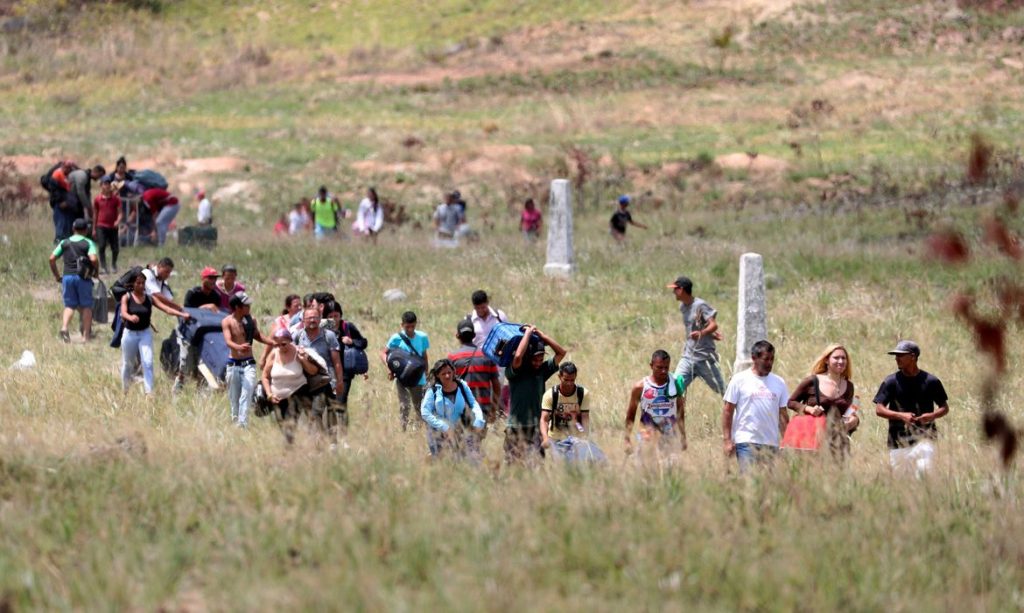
(447, 404)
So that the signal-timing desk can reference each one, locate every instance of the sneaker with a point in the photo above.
(179, 384)
(65, 336)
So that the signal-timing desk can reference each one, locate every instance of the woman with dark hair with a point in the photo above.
(443, 406)
(137, 341)
(350, 337)
(292, 306)
(530, 221)
(370, 217)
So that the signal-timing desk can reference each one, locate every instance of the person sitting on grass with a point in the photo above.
(444, 408)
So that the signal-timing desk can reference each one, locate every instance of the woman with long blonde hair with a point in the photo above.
(829, 391)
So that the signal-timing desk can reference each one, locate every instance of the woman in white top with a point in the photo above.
(370, 218)
(284, 376)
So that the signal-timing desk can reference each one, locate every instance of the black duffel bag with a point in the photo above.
(408, 367)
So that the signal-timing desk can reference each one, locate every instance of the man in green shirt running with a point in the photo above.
(325, 213)
(80, 264)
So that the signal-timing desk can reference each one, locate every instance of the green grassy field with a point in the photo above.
(111, 501)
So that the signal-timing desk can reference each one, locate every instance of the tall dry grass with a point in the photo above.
(118, 501)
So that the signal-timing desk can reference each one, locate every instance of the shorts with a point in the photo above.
(77, 292)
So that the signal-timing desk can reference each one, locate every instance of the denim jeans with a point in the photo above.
(163, 221)
(707, 369)
(241, 380)
(62, 222)
(136, 346)
(753, 455)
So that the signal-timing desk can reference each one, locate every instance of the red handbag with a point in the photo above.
(804, 432)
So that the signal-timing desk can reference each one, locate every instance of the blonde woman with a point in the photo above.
(829, 391)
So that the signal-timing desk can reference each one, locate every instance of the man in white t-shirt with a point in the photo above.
(754, 416)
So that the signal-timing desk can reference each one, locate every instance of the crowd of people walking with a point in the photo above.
(314, 356)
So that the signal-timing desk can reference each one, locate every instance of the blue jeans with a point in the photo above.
(163, 221)
(241, 380)
(137, 345)
(62, 222)
(754, 455)
(706, 369)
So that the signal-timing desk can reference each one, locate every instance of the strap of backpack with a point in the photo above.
(579, 396)
(817, 390)
(409, 343)
(465, 395)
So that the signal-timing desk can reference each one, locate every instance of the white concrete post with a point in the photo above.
(751, 315)
(561, 261)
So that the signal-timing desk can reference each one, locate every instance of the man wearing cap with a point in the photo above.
(240, 330)
(227, 286)
(80, 264)
(164, 207)
(621, 218)
(205, 214)
(202, 296)
(481, 375)
(911, 399)
(205, 295)
(527, 378)
(700, 356)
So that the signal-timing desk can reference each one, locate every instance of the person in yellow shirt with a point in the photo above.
(325, 210)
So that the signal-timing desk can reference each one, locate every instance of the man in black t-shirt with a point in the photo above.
(202, 296)
(911, 399)
(621, 218)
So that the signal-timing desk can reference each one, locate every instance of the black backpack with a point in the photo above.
(122, 285)
(46, 179)
(554, 401)
(83, 265)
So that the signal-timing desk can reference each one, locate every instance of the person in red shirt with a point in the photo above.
(164, 208)
(107, 207)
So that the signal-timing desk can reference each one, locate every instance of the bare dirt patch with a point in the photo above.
(755, 164)
(29, 164)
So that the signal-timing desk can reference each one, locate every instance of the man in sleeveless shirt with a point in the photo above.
(239, 332)
(661, 400)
